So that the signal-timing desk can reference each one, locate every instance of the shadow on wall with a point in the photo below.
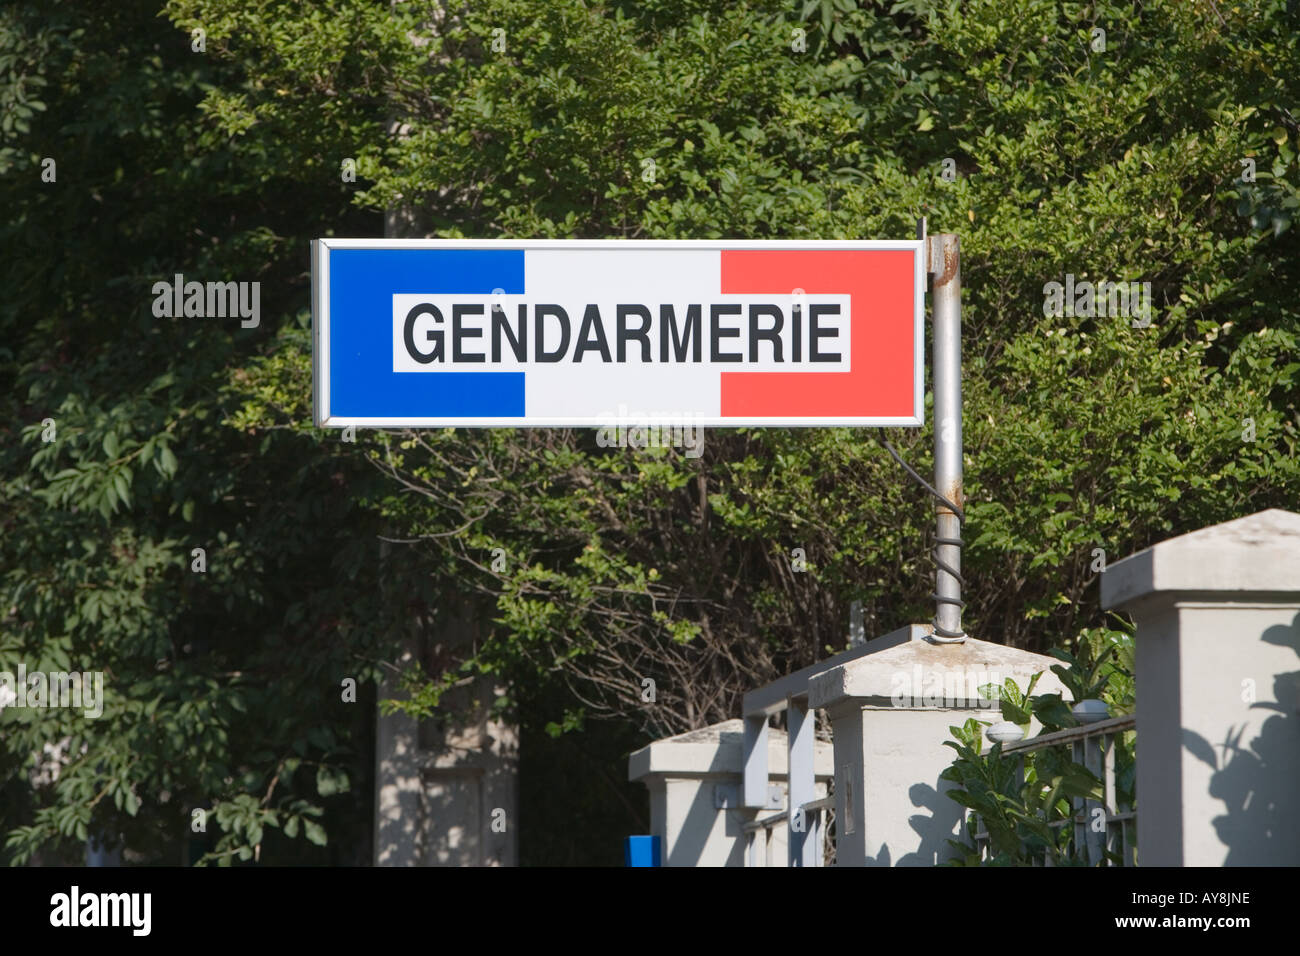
(939, 823)
(1257, 782)
(696, 829)
(935, 828)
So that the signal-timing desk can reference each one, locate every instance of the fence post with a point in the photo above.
(802, 722)
(755, 745)
(1218, 685)
(890, 711)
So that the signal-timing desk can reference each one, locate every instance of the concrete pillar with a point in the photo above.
(446, 789)
(1218, 690)
(469, 777)
(695, 784)
(397, 779)
(890, 713)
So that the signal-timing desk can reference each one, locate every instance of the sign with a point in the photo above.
(587, 333)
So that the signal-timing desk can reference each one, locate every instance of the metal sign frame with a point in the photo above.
(322, 342)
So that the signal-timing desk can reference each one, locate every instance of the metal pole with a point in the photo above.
(944, 251)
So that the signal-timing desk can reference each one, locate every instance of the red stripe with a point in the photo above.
(881, 283)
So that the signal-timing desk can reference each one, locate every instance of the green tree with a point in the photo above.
(223, 688)
(1114, 157)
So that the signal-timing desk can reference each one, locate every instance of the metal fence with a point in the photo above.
(819, 822)
(1093, 746)
(807, 845)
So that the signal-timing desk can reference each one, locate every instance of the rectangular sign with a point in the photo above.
(588, 333)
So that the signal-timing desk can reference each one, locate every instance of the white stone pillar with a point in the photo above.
(890, 713)
(397, 780)
(446, 789)
(1218, 691)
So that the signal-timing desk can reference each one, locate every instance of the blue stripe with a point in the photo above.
(362, 381)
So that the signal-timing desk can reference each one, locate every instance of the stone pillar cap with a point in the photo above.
(882, 676)
(1258, 553)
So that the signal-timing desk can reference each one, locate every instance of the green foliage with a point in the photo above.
(1017, 815)
(222, 688)
(1103, 656)
(1018, 799)
(1082, 432)
(1015, 706)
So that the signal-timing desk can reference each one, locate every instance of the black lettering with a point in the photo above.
(538, 314)
(716, 333)
(458, 333)
(518, 344)
(433, 335)
(815, 333)
(668, 325)
(591, 323)
(772, 335)
(796, 345)
(624, 333)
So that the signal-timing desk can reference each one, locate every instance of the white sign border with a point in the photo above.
(320, 359)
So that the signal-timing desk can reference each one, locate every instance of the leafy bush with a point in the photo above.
(1024, 802)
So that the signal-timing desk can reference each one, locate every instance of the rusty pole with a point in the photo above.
(944, 251)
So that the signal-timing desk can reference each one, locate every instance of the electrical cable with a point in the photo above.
(941, 634)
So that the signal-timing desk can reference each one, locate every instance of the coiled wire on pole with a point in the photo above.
(941, 634)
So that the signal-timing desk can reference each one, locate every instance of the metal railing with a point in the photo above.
(1093, 747)
(819, 821)
(789, 695)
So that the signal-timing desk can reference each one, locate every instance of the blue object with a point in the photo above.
(362, 382)
(641, 851)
